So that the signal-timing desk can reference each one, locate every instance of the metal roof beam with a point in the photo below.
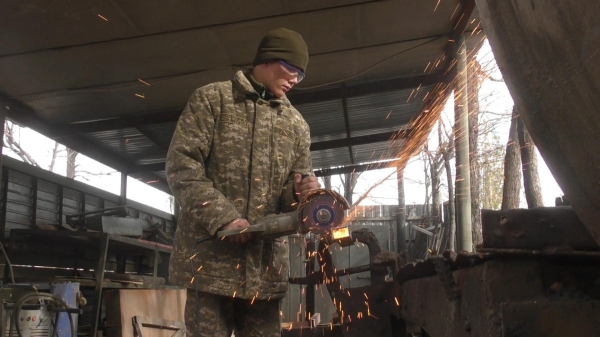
(347, 124)
(22, 115)
(68, 130)
(317, 146)
(356, 168)
(359, 140)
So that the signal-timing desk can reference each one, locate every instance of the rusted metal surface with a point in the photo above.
(505, 297)
(332, 330)
(551, 319)
(548, 52)
(536, 228)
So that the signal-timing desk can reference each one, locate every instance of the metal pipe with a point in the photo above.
(461, 133)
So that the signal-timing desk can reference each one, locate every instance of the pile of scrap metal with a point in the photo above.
(536, 274)
(116, 220)
(361, 310)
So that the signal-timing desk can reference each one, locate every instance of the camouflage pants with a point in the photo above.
(219, 315)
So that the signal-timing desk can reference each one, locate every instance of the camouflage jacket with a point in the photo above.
(234, 155)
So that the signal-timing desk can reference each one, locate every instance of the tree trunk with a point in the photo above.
(435, 190)
(350, 180)
(54, 155)
(327, 182)
(512, 171)
(531, 180)
(427, 184)
(474, 160)
(71, 156)
(451, 213)
(401, 213)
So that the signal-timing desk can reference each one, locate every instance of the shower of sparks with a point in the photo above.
(434, 102)
(436, 6)
(146, 83)
(103, 18)
(140, 95)
(235, 292)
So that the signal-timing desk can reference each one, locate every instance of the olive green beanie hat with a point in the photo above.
(285, 45)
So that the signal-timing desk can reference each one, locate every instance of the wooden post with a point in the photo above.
(461, 133)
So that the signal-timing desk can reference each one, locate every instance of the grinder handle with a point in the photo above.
(250, 229)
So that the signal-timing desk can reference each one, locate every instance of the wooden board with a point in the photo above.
(549, 55)
(122, 305)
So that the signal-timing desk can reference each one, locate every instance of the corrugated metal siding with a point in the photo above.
(32, 200)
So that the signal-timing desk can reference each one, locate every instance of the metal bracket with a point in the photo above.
(140, 322)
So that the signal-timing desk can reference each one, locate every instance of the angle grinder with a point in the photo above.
(321, 212)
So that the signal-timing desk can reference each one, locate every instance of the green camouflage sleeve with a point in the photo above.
(302, 165)
(186, 175)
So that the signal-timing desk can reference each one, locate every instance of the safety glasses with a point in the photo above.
(293, 69)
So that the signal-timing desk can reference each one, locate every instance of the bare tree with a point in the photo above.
(349, 181)
(427, 181)
(54, 155)
(531, 180)
(71, 156)
(15, 145)
(327, 182)
(512, 170)
(447, 154)
(492, 172)
(475, 76)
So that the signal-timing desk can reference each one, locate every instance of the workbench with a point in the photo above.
(65, 253)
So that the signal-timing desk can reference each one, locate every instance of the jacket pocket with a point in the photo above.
(276, 259)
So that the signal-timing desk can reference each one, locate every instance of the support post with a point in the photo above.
(401, 213)
(461, 134)
(123, 195)
(310, 267)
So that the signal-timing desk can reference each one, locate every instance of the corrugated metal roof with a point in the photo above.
(326, 120)
(130, 144)
(161, 134)
(377, 151)
(389, 111)
(332, 157)
(142, 61)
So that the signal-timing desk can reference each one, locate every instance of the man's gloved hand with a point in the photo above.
(304, 186)
(236, 224)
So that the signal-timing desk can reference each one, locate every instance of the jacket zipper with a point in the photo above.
(250, 164)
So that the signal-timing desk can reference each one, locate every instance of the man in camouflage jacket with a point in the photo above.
(238, 154)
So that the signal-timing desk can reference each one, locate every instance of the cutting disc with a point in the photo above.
(323, 211)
